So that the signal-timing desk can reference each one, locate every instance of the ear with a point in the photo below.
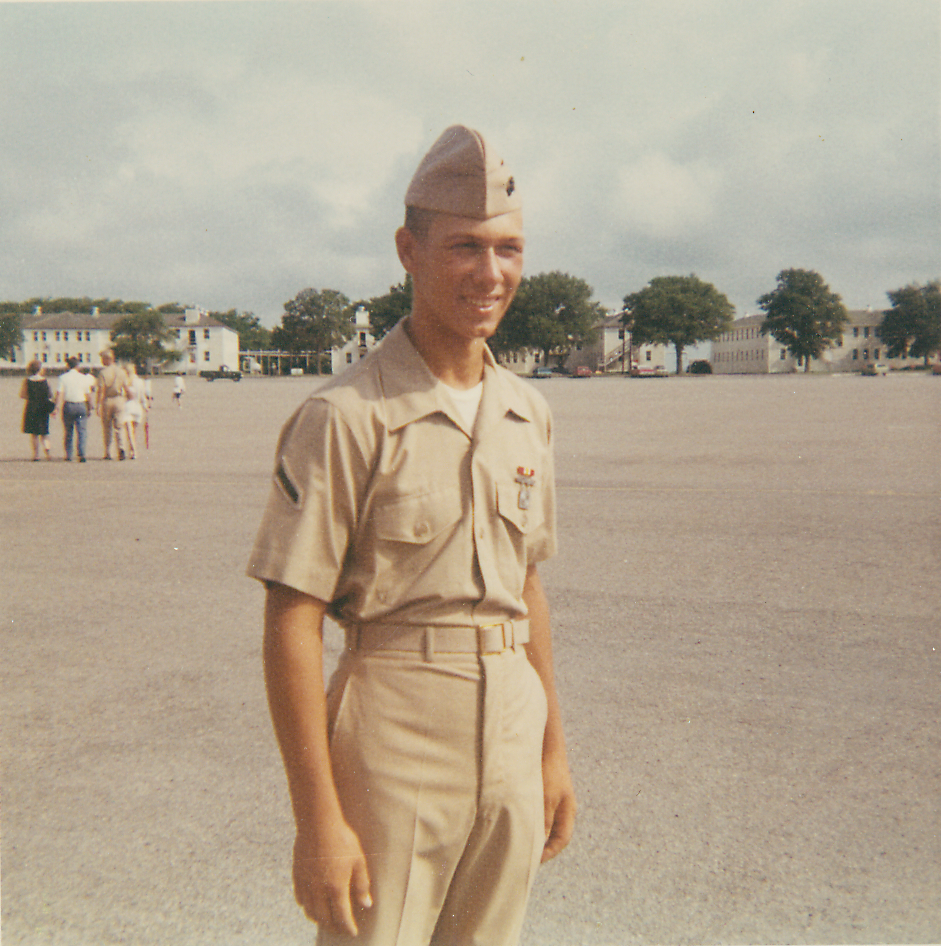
(405, 246)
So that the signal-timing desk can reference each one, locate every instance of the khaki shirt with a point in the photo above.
(385, 507)
(112, 380)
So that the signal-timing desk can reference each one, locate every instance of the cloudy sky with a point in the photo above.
(231, 154)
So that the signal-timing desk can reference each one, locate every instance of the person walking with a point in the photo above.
(109, 403)
(179, 389)
(135, 408)
(40, 404)
(412, 499)
(74, 397)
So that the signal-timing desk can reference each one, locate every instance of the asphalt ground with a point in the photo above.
(748, 649)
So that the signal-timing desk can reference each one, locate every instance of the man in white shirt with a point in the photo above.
(74, 396)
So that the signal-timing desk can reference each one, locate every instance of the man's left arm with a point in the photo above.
(559, 794)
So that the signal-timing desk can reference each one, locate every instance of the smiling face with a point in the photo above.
(464, 273)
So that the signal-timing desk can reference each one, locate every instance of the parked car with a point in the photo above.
(874, 368)
(648, 371)
(223, 372)
(582, 371)
(700, 366)
(936, 368)
(541, 371)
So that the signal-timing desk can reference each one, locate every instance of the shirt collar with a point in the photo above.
(412, 392)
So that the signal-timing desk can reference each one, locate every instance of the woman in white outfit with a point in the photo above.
(134, 409)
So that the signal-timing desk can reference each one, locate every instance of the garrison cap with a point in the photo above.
(463, 175)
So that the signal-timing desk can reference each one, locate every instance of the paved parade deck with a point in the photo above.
(748, 649)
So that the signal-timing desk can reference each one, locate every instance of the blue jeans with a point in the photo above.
(74, 416)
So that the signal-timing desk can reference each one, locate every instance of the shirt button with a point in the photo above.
(421, 530)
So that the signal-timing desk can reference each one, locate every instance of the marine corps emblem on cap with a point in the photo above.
(463, 175)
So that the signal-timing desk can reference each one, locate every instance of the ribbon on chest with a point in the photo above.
(527, 480)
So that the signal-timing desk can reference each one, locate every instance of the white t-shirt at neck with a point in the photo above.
(467, 402)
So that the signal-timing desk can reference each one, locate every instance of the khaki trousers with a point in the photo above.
(111, 407)
(438, 764)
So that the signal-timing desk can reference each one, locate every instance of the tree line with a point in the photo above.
(552, 313)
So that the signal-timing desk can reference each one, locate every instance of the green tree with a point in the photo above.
(552, 312)
(253, 336)
(913, 325)
(314, 321)
(11, 327)
(678, 311)
(803, 315)
(385, 312)
(143, 337)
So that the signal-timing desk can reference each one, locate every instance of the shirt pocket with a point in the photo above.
(508, 505)
(417, 518)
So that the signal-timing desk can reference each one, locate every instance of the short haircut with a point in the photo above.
(418, 221)
(34, 366)
(72, 362)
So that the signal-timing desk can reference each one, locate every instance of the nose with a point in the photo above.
(488, 269)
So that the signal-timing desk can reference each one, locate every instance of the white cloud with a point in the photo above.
(663, 198)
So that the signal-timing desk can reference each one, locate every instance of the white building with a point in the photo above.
(360, 344)
(744, 350)
(204, 342)
(52, 337)
(611, 352)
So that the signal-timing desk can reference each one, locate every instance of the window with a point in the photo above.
(875, 354)
(349, 357)
(45, 357)
(362, 339)
(865, 354)
(205, 356)
(65, 336)
(781, 353)
(80, 356)
(179, 333)
(855, 354)
(866, 332)
(35, 336)
(206, 334)
(855, 331)
(58, 334)
(192, 336)
(648, 356)
(58, 356)
(43, 336)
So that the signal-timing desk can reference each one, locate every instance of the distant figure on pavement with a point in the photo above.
(74, 397)
(40, 403)
(179, 389)
(112, 395)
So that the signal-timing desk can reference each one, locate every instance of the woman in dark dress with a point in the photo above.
(38, 396)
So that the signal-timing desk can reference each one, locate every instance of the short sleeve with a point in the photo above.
(312, 511)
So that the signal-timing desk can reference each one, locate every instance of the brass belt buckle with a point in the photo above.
(480, 639)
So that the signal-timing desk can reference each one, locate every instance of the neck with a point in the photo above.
(458, 362)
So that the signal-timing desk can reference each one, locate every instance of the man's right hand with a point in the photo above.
(331, 882)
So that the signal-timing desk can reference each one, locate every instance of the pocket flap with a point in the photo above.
(417, 518)
(508, 504)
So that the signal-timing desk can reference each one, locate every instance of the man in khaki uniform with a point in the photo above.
(110, 401)
(412, 500)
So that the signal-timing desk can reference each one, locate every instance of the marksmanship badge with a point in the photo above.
(527, 480)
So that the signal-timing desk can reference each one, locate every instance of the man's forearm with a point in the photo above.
(293, 653)
(539, 651)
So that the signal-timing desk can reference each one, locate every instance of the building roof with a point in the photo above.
(856, 317)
